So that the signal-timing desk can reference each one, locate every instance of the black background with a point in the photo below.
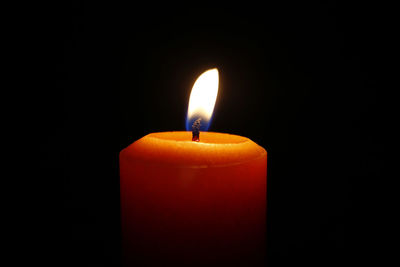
(301, 80)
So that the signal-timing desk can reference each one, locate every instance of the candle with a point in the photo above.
(194, 198)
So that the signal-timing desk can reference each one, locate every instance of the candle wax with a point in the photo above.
(186, 203)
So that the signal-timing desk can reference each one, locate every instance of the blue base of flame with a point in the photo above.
(204, 124)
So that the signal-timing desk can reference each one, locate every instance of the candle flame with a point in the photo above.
(202, 99)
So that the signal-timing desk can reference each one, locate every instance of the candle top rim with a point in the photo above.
(177, 149)
(205, 137)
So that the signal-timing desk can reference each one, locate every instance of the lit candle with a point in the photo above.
(194, 198)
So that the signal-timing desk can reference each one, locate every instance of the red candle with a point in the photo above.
(187, 203)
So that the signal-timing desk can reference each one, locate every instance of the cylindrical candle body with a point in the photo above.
(185, 203)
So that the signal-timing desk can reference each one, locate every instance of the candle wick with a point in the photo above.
(196, 130)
